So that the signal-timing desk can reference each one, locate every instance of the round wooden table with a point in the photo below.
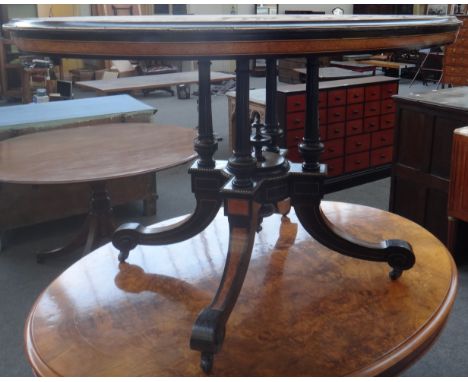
(304, 309)
(93, 154)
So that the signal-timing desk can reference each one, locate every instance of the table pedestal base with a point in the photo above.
(98, 225)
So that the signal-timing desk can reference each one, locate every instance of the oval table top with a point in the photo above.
(304, 310)
(94, 153)
(225, 36)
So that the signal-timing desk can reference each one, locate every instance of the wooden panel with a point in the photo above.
(355, 95)
(295, 120)
(357, 143)
(371, 124)
(333, 149)
(381, 138)
(458, 191)
(295, 103)
(336, 97)
(336, 114)
(372, 93)
(354, 111)
(354, 127)
(387, 121)
(334, 166)
(336, 130)
(388, 90)
(357, 162)
(381, 156)
(387, 106)
(371, 108)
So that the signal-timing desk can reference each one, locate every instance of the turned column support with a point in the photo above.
(271, 117)
(311, 147)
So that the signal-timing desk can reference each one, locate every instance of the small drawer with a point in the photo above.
(354, 127)
(357, 143)
(371, 109)
(387, 106)
(356, 162)
(372, 93)
(322, 99)
(371, 124)
(295, 103)
(336, 130)
(334, 166)
(333, 149)
(336, 97)
(387, 121)
(381, 156)
(323, 116)
(293, 155)
(336, 114)
(354, 111)
(389, 89)
(382, 138)
(295, 120)
(323, 132)
(355, 95)
(293, 137)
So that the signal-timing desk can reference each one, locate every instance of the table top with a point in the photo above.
(150, 81)
(224, 36)
(332, 73)
(451, 98)
(58, 113)
(92, 153)
(304, 310)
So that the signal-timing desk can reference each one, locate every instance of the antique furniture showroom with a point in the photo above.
(265, 191)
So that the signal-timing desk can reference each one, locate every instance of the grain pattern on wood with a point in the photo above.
(92, 153)
(304, 309)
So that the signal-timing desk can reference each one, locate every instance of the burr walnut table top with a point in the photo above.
(304, 309)
(92, 153)
(227, 36)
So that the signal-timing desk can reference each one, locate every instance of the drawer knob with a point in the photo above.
(358, 144)
(331, 150)
(383, 156)
(337, 131)
(355, 112)
(337, 98)
(371, 125)
(296, 121)
(297, 104)
(337, 114)
(354, 128)
(355, 95)
(357, 162)
(382, 139)
(373, 109)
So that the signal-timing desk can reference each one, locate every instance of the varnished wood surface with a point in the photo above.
(458, 189)
(149, 82)
(96, 152)
(303, 310)
(227, 35)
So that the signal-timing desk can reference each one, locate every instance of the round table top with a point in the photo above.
(225, 36)
(304, 310)
(94, 153)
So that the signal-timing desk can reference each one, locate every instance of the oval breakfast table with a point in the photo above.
(257, 181)
(93, 155)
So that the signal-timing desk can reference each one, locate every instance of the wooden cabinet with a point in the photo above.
(356, 125)
(422, 155)
(455, 68)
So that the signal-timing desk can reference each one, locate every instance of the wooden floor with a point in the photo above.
(304, 310)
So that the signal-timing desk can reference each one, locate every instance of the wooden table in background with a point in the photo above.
(304, 309)
(148, 83)
(94, 155)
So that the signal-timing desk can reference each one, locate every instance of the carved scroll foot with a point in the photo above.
(209, 329)
(397, 253)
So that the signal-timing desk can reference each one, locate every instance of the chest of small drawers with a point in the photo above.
(356, 118)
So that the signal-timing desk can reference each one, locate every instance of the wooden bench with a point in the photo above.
(148, 83)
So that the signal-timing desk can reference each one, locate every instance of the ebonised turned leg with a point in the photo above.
(209, 328)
